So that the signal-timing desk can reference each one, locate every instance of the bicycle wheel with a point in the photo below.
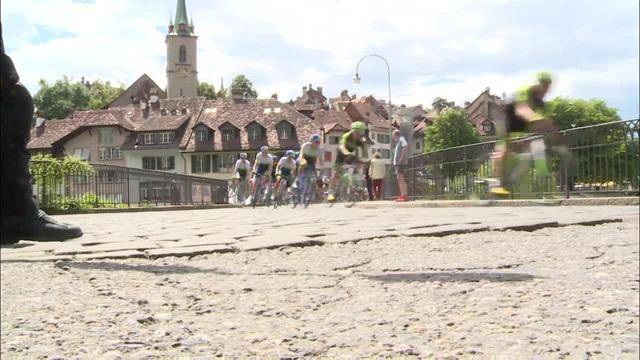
(256, 192)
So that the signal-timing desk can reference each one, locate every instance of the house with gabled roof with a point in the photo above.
(227, 127)
(485, 113)
(141, 89)
(311, 99)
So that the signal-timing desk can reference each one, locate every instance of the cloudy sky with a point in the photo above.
(453, 49)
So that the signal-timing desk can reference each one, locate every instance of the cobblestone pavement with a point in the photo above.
(196, 232)
(554, 292)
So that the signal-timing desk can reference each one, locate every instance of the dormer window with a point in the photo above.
(227, 135)
(285, 130)
(184, 111)
(163, 111)
(256, 132)
(173, 112)
(148, 139)
(166, 138)
(202, 136)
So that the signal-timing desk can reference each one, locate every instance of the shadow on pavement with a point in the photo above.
(175, 269)
(156, 269)
(452, 277)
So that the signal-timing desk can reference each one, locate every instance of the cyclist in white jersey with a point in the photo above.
(241, 171)
(262, 167)
(286, 168)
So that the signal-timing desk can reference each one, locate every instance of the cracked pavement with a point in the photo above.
(567, 291)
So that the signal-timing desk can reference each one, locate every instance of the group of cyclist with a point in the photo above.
(268, 172)
(523, 114)
(302, 165)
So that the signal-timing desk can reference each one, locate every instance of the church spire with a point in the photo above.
(181, 13)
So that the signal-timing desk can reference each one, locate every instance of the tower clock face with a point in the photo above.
(182, 70)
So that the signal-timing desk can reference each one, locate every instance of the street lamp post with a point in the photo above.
(357, 80)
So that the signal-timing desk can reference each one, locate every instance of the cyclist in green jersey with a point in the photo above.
(349, 144)
(524, 114)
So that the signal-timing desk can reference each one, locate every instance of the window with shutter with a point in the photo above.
(193, 163)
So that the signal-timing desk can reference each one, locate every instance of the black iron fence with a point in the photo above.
(604, 161)
(104, 186)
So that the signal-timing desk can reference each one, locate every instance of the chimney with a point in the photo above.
(274, 96)
(487, 90)
(304, 90)
(144, 108)
(237, 94)
(40, 126)
(466, 103)
(310, 87)
(320, 89)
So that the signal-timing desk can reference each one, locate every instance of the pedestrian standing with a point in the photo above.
(376, 173)
(400, 161)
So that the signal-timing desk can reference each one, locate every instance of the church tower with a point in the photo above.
(182, 59)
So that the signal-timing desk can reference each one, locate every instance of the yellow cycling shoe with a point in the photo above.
(499, 190)
(331, 198)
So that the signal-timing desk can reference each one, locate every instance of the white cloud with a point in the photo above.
(449, 49)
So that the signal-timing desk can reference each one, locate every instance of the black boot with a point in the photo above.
(41, 228)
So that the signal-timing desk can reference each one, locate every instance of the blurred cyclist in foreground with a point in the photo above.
(524, 114)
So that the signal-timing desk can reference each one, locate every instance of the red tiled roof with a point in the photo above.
(267, 113)
(363, 111)
(129, 117)
(325, 117)
(53, 131)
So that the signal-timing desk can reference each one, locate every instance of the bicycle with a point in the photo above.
(306, 189)
(521, 158)
(351, 189)
(282, 196)
(239, 191)
(259, 193)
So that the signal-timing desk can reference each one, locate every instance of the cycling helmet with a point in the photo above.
(290, 153)
(243, 155)
(359, 126)
(264, 149)
(544, 77)
(315, 138)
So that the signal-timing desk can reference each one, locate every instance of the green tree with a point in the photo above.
(102, 94)
(222, 94)
(450, 129)
(207, 90)
(241, 84)
(63, 97)
(569, 113)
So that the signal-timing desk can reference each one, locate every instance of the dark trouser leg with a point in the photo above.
(21, 219)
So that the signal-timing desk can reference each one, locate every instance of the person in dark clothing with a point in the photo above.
(21, 218)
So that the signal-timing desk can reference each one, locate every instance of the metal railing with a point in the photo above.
(605, 161)
(110, 186)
